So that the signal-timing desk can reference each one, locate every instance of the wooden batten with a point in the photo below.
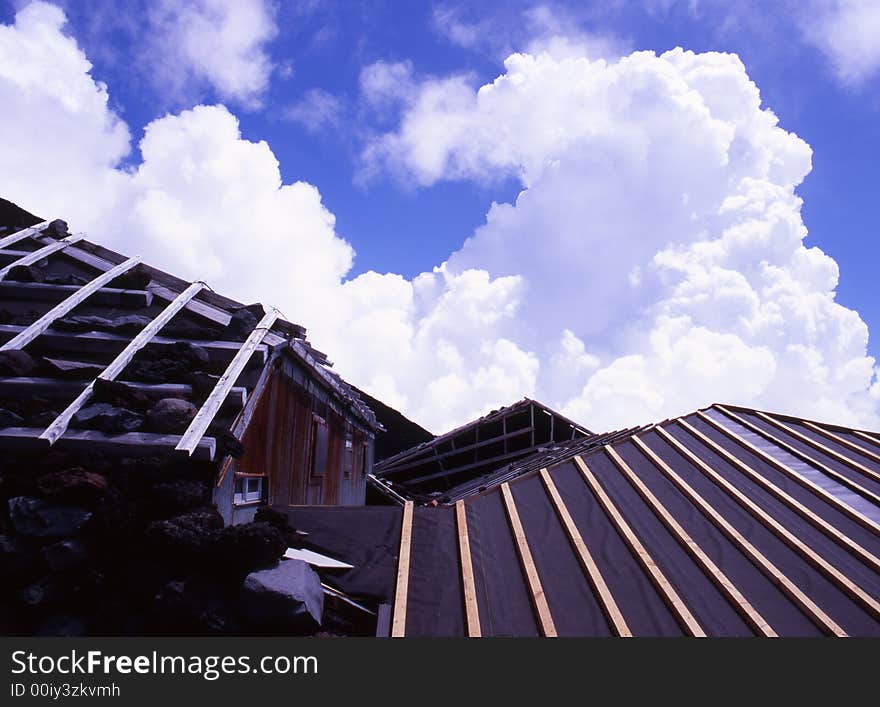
(398, 621)
(211, 406)
(612, 612)
(671, 597)
(38, 255)
(14, 238)
(67, 305)
(801, 480)
(59, 426)
(815, 520)
(739, 602)
(536, 590)
(771, 571)
(469, 588)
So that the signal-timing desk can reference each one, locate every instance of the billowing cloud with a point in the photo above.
(658, 236)
(211, 43)
(654, 260)
(846, 31)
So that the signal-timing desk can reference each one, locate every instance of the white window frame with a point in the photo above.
(248, 495)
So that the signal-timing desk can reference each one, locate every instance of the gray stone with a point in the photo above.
(10, 419)
(65, 555)
(287, 597)
(171, 415)
(108, 418)
(16, 362)
(36, 518)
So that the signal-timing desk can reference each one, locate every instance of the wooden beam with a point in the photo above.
(54, 388)
(675, 603)
(469, 588)
(67, 305)
(58, 427)
(815, 520)
(21, 235)
(398, 622)
(439, 456)
(739, 602)
(106, 342)
(539, 600)
(825, 449)
(41, 253)
(612, 612)
(813, 488)
(211, 406)
(843, 441)
(771, 571)
(128, 444)
(46, 292)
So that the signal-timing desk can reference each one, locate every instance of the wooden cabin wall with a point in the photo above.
(280, 442)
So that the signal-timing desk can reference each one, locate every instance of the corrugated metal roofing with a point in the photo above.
(725, 522)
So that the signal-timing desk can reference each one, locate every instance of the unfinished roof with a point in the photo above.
(725, 522)
(77, 319)
(431, 471)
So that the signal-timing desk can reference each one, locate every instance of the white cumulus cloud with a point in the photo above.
(847, 32)
(654, 260)
(658, 235)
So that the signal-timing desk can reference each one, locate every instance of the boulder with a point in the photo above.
(174, 497)
(129, 324)
(16, 561)
(69, 279)
(70, 370)
(16, 362)
(108, 418)
(171, 415)
(121, 395)
(42, 419)
(10, 419)
(40, 519)
(184, 538)
(76, 486)
(65, 555)
(135, 279)
(286, 598)
(26, 273)
(57, 229)
(249, 546)
(240, 326)
(227, 443)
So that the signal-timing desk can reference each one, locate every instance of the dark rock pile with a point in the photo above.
(133, 546)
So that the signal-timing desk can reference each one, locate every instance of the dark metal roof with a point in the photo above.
(87, 315)
(724, 522)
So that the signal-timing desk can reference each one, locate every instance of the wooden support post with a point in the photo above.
(815, 520)
(675, 603)
(588, 564)
(472, 612)
(771, 571)
(398, 623)
(539, 600)
(41, 253)
(208, 411)
(739, 602)
(65, 306)
(813, 488)
(58, 427)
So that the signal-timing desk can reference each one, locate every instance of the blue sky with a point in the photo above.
(400, 224)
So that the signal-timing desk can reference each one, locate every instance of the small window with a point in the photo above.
(348, 459)
(248, 489)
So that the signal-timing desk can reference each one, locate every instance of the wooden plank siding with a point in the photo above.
(280, 443)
